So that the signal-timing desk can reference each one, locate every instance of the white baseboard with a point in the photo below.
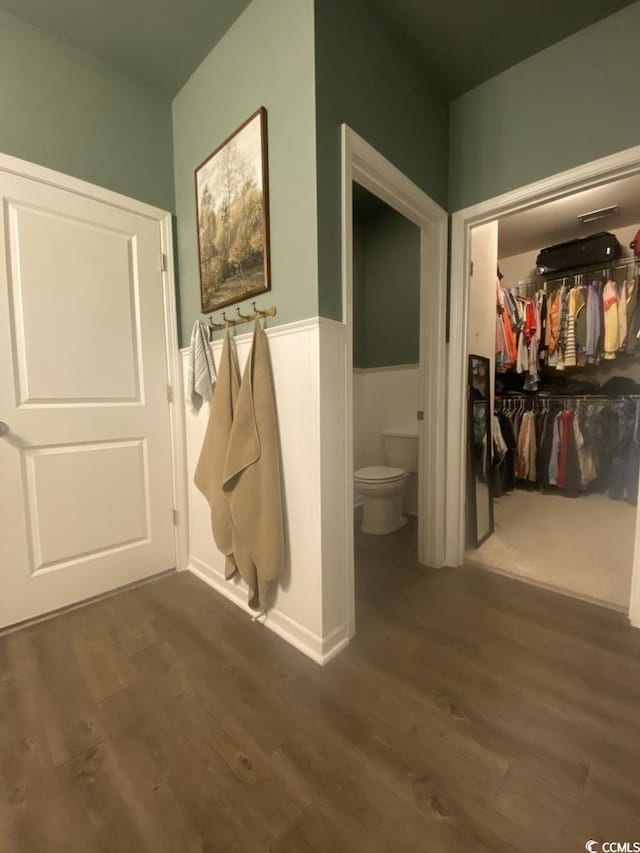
(288, 629)
(335, 642)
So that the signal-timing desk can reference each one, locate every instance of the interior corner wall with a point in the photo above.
(366, 78)
(67, 110)
(386, 290)
(569, 104)
(265, 59)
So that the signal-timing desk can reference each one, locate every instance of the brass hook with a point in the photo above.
(244, 317)
(266, 312)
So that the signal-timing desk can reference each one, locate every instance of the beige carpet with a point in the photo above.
(583, 546)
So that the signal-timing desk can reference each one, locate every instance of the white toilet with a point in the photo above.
(382, 487)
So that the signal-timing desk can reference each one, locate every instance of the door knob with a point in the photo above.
(4, 428)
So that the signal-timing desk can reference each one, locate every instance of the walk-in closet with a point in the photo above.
(554, 393)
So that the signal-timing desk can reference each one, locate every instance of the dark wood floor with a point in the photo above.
(471, 713)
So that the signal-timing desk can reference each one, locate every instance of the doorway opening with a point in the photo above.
(386, 393)
(409, 208)
(552, 317)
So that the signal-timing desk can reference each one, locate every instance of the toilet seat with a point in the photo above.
(380, 474)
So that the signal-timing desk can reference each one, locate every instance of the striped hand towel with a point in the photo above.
(201, 376)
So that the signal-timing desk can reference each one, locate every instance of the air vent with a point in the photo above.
(595, 215)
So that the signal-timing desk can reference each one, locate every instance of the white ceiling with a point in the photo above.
(557, 221)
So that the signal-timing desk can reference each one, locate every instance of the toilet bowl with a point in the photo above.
(382, 487)
(382, 491)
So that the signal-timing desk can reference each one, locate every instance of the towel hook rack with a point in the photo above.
(228, 322)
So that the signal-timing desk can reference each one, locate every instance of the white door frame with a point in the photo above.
(616, 166)
(23, 168)
(363, 164)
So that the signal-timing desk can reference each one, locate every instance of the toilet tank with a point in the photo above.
(400, 449)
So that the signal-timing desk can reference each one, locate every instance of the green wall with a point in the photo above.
(567, 105)
(366, 78)
(359, 289)
(265, 59)
(386, 304)
(67, 110)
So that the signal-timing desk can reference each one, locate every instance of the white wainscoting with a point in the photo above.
(337, 535)
(383, 398)
(297, 615)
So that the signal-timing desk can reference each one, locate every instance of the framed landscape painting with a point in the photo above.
(232, 205)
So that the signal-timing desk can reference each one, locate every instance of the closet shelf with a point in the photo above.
(542, 281)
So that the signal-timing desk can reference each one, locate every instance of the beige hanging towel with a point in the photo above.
(252, 479)
(210, 468)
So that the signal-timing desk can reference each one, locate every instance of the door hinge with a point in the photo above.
(175, 517)
(420, 414)
(170, 393)
(162, 262)
(470, 267)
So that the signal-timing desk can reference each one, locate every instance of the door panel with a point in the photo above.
(69, 500)
(99, 361)
(86, 504)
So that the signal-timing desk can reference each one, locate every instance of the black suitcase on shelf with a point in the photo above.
(602, 248)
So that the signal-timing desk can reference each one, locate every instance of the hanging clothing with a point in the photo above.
(611, 321)
(506, 347)
(623, 481)
(570, 359)
(554, 322)
(554, 459)
(622, 316)
(593, 322)
(532, 475)
(571, 479)
(595, 446)
(585, 457)
(509, 464)
(547, 448)
(521, 358)
(564, 326)
(524, 438)
(633, 318)
(542, 321)
(581, 324)
(570, 326)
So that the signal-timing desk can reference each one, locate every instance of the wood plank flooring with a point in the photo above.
(470, 713)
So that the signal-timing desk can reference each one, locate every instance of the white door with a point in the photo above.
(85, 456)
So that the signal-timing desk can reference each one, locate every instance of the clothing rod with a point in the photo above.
(540, 281)
(620, 264)
(596, 398)
(229, 322)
